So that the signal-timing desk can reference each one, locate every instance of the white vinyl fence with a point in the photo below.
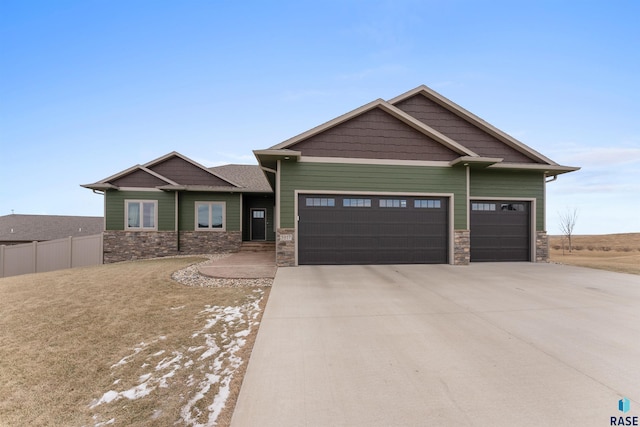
(38, 257)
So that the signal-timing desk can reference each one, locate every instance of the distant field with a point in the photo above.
(614, 252)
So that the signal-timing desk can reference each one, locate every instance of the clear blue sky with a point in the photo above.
(90, 88)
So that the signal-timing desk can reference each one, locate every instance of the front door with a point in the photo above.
(258, 224)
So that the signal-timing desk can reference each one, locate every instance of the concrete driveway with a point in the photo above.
(437, 345)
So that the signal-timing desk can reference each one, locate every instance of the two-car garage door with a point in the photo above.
(357, 229)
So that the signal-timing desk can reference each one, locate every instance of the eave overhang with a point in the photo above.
(269, 158)
(475, 162)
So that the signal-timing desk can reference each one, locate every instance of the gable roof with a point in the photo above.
(27, 228)
(389, 109)
(474, 120)
(176, 172)
(513, 154)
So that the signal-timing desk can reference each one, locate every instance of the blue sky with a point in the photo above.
(90, 88)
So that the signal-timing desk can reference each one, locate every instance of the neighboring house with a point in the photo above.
(15, 229)
(416, 179)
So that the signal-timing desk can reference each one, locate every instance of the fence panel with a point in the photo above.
(86, 251)
(38, 257)
(53, 255)
(18, 259)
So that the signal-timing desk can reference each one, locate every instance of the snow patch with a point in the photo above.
(209, 379)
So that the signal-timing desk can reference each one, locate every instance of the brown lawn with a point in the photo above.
(614, 252)
(122, 342)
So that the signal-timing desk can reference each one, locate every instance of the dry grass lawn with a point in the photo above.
(614, 252)
(122, 344)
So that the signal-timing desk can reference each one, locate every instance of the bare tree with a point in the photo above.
(568, 221)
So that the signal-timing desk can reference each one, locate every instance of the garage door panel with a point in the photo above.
(350, 232)
(500, 231)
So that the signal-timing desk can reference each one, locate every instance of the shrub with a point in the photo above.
(606, 248)
(591, 248)
(578, 247)
(558, 247)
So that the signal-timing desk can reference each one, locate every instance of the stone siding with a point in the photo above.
(208, 242)
(132, 245)
(286, 247)
(461, 247)
(542, 246)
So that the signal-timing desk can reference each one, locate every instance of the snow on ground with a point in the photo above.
(210, 363)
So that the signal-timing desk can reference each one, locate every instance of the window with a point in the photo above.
(210, 216)
(141, 214)
(393, 203)
(427, 204)
(356, 203)
(320, 201)
(512, 207)
(258, 214)
(483, 206)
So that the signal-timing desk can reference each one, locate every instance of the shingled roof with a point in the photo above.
(16, 228)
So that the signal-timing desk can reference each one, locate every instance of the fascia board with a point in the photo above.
(469, 116)
(548, 169)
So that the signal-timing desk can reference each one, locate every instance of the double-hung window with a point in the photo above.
(141, 214)
(210, 216)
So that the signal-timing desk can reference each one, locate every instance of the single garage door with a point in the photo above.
(345, 229)
(500, 231)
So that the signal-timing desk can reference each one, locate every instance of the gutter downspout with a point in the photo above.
(552, 179)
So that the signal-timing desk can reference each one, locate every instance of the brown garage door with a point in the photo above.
(500, 231)
(355, 229)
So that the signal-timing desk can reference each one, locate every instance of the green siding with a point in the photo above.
(495, 183)
(374, 178)
(188, 204)
(115, 214)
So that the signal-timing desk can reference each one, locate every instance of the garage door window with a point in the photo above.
(483, 206)
(519, 207)
(427, 204)
(320, 201)
(356, 203)
(393, 203)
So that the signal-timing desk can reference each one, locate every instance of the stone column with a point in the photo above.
(461, 247)
(542, 246)
(286, 247)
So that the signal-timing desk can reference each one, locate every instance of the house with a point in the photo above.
(18, 228)
(416, 179)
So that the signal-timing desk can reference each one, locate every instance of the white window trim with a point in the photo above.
(210, 203)
(141, 228)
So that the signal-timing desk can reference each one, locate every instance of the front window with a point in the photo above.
(141, 214)
(210, 216)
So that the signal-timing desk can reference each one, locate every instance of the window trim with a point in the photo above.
(210, 203)
(128, 202)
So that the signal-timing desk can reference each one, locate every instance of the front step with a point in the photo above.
(260, 246)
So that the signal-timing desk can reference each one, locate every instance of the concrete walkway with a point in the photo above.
(417, 345)
(242, 265)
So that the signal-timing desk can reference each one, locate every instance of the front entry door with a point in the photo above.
(258, 224)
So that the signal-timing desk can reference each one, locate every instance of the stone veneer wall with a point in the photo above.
(542, 246)
(132, 245)
(207, 242)
(461, 247)
(286, 247)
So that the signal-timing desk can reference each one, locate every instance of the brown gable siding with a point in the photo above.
(183, 172)
(374, 135)
(458, 129)
(138, 178)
